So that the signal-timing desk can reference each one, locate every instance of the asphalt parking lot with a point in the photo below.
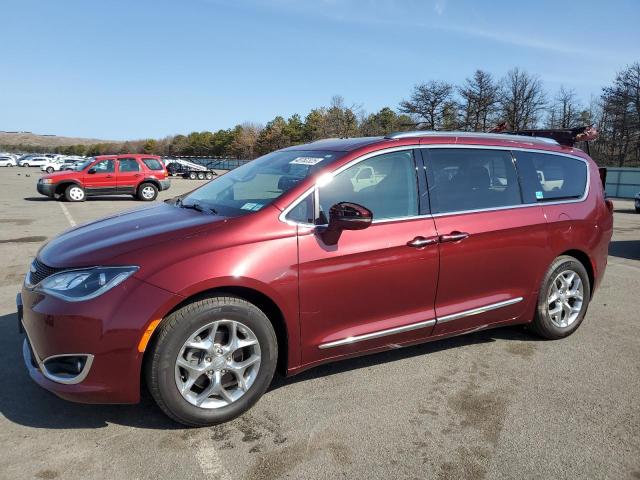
(495, 404)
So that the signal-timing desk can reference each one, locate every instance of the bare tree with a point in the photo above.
(429, 102)
(480, 100)
(523, 99)
(565, 112)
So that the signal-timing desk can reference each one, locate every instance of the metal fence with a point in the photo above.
(623, 182)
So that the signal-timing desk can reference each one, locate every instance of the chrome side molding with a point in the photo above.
(424, 324)
(477, 311)
(378, 334)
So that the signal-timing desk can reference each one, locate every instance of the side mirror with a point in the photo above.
(345, 216)
(91, 171)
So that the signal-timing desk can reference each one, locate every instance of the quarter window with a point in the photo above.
(152, 163)
(471, 179)
(128, 165)
(385, 184)
(546, 176)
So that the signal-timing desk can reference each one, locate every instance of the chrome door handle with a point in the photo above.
(453, 237)
(420, 242)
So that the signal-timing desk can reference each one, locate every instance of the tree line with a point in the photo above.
(482, 101)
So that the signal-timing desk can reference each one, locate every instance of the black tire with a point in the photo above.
(71, 193)
(201, 176)
(637, 209)
(209, 176)
(25, 165)
(542, 323)
(147, 192)
(192, 175)
(50, 170)
(176, 328)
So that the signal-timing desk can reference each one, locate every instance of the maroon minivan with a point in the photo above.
(311, 254)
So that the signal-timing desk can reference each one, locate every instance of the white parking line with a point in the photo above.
(72, 222)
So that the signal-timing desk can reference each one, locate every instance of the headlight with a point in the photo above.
(46, 180)
(84, 284)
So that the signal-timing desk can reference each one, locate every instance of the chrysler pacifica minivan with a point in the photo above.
(311, 254)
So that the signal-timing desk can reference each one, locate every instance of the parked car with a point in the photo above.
(142, 176)
(61, 163)
(637, 202)
(34, 161)
(7, 161)
(281, 262)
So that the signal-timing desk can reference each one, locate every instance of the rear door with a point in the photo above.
(100, 178)
(376, 287)
(129, 175)
(492, 246)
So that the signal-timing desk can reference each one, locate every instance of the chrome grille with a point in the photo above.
(39, 271)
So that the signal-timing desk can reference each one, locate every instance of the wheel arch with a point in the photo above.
(62, 186)
(586, 262)
(153, 181)
(258, 298)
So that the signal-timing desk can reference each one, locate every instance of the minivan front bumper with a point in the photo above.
(88, 351)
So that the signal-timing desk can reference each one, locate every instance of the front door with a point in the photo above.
(129, 175)
(100, 178)
(493, 248)
(376, 287)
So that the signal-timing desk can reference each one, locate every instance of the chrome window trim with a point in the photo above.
(478, 310)
(283, 214)
(423, 324)
(378, 334)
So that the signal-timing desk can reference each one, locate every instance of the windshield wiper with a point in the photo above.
(194, 206)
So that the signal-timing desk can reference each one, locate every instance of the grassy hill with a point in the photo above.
(23, 138)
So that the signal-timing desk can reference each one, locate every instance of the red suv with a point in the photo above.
(312, 254)
(139, 175)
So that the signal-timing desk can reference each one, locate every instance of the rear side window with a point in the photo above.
(128, 165)
(550, 177)
(152, 164)
(471, 179)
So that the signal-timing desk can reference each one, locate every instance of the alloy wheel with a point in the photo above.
(565, 298)
(148, 192)
(217, 364)
(76, 193)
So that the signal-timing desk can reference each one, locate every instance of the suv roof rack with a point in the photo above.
(490, 136)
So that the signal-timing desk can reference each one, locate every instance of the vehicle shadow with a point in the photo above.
(629, 249)
(25, 403)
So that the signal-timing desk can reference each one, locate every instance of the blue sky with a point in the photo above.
(136, 69)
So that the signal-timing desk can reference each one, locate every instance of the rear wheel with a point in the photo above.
(212, 360)
(147, 192)
(192, 175)
(563, 299)
(75, 193)
(209, 176)
(50, 170)
(200, 175)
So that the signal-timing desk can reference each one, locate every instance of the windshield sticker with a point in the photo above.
(306, 160)
(539, 195)
(251, 206)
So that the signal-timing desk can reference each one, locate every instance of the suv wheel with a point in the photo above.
(50, 170)
(75, 193)
(147, 192)
(563, 300)
(211, 360)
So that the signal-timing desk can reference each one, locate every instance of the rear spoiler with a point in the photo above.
(564, 136)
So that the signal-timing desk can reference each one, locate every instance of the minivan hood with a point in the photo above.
(98, 242)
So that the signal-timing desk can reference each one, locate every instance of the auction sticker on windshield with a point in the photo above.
(306, 160)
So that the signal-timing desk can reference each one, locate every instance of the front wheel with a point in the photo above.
(50, 170)
(212, 360)
(75, 193)
(563, 299)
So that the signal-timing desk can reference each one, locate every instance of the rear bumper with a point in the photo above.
(165, 184)
(46, 189)
(106, 329)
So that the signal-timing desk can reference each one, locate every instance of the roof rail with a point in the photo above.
(489, 136)
(563, 136)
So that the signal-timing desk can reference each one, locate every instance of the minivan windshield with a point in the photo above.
(256, 184)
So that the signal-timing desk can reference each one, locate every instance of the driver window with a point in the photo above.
(385, 184)
(104, 166)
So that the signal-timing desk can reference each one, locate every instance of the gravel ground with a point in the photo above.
(495, 404)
